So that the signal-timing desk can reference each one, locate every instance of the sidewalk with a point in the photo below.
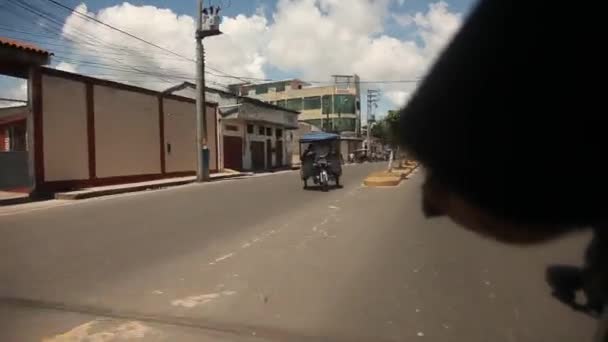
(134, 187)
(9, 198)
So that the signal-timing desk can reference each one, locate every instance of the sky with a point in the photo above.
(380, 40)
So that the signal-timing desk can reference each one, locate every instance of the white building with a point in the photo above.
(252, 135)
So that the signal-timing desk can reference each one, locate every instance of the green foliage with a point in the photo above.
(387, 129)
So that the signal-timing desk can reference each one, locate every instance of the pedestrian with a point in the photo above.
(493, 143)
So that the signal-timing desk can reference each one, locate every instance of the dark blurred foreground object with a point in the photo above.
(511, 128)
(591, 279)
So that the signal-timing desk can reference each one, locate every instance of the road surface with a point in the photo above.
(260, 259)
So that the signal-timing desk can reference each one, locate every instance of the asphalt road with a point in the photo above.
(260, 259)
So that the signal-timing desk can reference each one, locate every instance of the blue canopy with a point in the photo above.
(318, 136)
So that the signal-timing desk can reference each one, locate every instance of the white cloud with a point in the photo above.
(437, 26)
(397, 98)
(237, 52)
(66, 67)
(12, 88)
(404, 20)
(310, 39)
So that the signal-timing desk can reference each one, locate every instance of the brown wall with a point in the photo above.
(92, 132)
(127, 133)
(65, 129)
(212, 134)
(180, 133)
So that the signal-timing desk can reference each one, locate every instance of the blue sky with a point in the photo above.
(273, 56)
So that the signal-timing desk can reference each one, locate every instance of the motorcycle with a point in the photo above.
(322, 160)
(321, 173)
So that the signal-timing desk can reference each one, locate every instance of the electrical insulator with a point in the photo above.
(211, 19)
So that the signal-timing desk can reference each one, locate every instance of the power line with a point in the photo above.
(12, 100)
(84, 15)
(118, 30)
(130, 52)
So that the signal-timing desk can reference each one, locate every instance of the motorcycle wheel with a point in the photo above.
(325, 186)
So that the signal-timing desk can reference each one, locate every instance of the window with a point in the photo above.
(294, 104)
(249, 129)
(278, 133)
(232, 128)
(344, 104)
(269, 131)
(344, 124)
(281, 103)
(261, 89)
(261, 130)
(315, 122)
(327, 104)
(313, 102)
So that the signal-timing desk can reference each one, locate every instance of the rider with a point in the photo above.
(309, 152)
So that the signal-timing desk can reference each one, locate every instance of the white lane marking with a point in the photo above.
(192, 301)
(223, 257)
(246, 245)
(420, 334)
(157, 292)
(102, 330)
(334, 207)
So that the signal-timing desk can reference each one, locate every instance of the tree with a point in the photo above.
(392, 126)
(387, 129)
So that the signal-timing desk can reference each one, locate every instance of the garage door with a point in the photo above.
(233, 153)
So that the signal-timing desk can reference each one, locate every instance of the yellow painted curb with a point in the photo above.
(384, 178)
(382, 181)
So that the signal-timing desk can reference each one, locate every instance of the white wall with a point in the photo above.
(247, 162)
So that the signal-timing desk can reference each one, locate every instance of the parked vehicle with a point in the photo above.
(321, 159)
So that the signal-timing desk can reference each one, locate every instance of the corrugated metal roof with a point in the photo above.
(22, 46)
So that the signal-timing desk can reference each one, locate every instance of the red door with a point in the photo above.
(233, 153)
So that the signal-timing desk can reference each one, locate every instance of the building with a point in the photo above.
(83, 131)
(335, 107)
(13, 129)
(18, 59)
(253, 135)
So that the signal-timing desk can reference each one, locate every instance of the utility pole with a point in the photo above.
(207, 26)
(373, 95)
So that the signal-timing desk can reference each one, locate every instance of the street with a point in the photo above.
(261, 259)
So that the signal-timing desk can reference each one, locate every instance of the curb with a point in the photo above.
(15, 201)
(394, 179)
(382, 181)
(86, 194)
